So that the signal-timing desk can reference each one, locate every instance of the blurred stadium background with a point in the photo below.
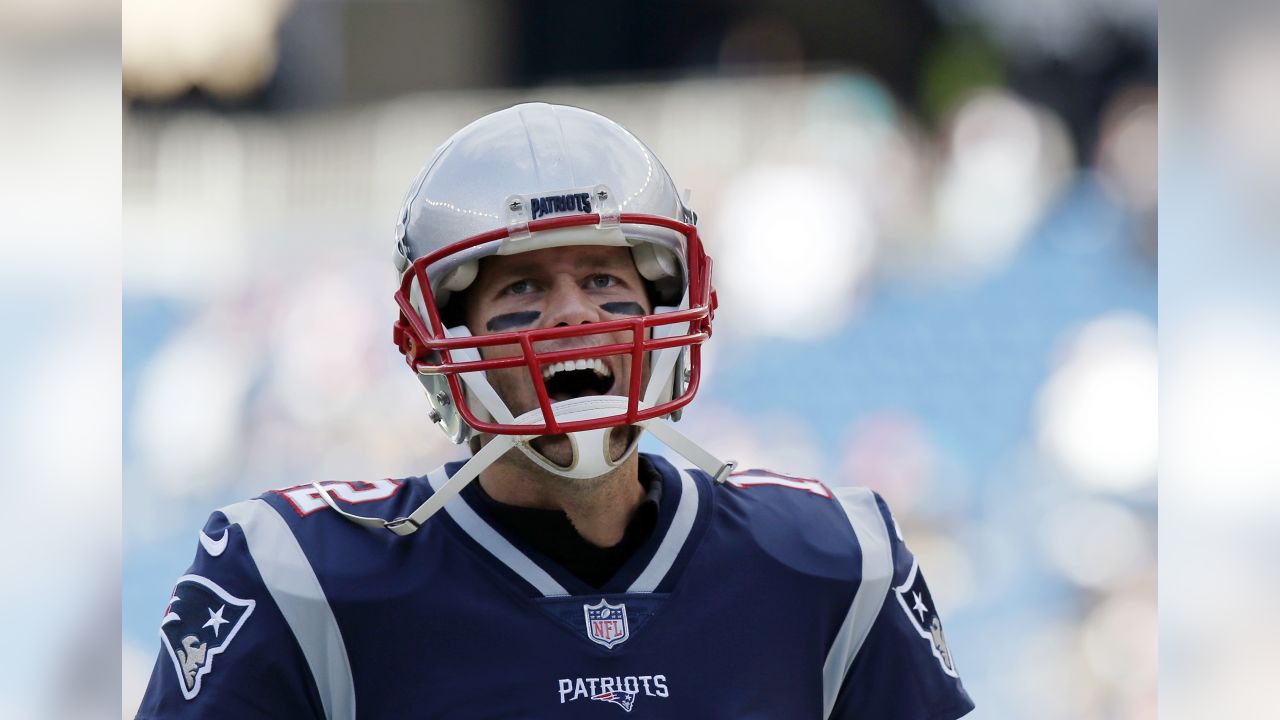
(934, 225)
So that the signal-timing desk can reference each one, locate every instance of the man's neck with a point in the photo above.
(599, 509)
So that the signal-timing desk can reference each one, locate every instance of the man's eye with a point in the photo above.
(519, 287)
(600, 282)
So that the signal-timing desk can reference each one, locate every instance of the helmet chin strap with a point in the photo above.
(590, 448)
(590, 453)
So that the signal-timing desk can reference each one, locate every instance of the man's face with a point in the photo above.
(554, 287)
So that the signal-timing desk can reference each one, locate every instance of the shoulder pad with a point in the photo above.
(797, 521)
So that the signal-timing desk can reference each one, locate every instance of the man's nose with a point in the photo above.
(569, 304)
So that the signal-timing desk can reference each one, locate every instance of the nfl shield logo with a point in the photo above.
(606, 624)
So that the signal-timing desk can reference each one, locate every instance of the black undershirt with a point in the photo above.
(550, 532)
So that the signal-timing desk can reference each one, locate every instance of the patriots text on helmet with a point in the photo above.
(551, 204)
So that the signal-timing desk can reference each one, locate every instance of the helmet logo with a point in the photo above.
(555, 204)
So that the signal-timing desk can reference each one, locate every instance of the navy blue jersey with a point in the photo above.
(763, 596)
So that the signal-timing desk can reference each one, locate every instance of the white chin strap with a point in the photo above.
(590, 454)
(590, 448)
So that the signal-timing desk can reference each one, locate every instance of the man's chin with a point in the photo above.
(555, 448)
(559, 450)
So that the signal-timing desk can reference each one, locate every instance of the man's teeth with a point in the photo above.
(595, 364)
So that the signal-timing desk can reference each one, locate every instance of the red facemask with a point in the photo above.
(427, 349)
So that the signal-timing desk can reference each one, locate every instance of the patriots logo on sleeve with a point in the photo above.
(913, 596)
(199, 623)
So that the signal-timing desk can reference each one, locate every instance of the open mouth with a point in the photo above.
(577, 378)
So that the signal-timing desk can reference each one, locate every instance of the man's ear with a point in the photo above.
(651, 295)
(454, 313)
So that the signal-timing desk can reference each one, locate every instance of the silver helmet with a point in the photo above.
(530, 177)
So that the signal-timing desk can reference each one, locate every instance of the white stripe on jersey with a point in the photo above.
(511, 556)
(297, 592)
(877, 574)
(492, 540)
(681, 525)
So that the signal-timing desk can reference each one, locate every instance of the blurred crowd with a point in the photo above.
(950, 298)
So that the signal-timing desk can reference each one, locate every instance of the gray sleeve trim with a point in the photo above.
(860, 506)
(293, 585)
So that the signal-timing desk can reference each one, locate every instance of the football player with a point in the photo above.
(554, 299)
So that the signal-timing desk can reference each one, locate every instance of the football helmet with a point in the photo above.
(526, 178)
